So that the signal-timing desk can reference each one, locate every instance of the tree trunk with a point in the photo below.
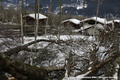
(118, 74)
(22, 71)
(97, 10)
(16, 68)
(25, 46)
(35, 18)
(22, 34)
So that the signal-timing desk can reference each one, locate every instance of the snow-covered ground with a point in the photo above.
(62, 37)
(62, 51)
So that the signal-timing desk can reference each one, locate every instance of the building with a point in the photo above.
(88, 26)
(30, 19)
(69, 25)
(113, 23)
(71, 22)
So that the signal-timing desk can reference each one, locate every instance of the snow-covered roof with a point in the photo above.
(110, 22)
(75, 21)
(87, 26)
(100, 20)
(41, 16)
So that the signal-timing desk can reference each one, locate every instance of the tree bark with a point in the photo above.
(15, 67)
(22, 71)
(25, 46)
(22, 33)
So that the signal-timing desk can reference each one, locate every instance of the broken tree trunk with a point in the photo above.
(16, 68)
(22, 71)
(17, 49)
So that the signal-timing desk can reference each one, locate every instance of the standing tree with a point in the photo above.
(36, 30)
(35, 18)
(60, 18)
(48, 22)
(22, 10)
(83, 14)
(97, 10)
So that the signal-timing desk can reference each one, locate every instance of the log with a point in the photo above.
(14, 67)
(17, 49)
(22, 71)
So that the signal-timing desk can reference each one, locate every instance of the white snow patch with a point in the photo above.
(81, 6)
(75, 21)
(80, 77)
(41, 16)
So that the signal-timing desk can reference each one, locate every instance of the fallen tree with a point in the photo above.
(25, 46)
(22, 71)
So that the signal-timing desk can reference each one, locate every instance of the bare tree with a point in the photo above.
(83, 15)
(35, 18)
(49, 17)
(97, 10)
(60, 18)
(36, 30)
(22, 8)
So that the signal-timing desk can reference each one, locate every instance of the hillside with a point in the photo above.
(75, 7)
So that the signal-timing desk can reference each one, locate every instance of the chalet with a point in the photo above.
(113, 22)
(71, 22)
(89, 24)
(92, 20)
(30, 19)
(111, 25)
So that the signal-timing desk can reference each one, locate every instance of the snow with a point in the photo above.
(101, 20)
(41, 16)
(77, 77)
(75, 21)
(81, 6)
(89, 68)
(99, 26)
(62, 37)
(102, 49)
(74, 5)
(66, 72)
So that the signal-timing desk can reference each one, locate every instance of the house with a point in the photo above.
(92, 20)
(69, 25)
(88, 26)
(30, 19)
(113, 23)
(71, 22)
